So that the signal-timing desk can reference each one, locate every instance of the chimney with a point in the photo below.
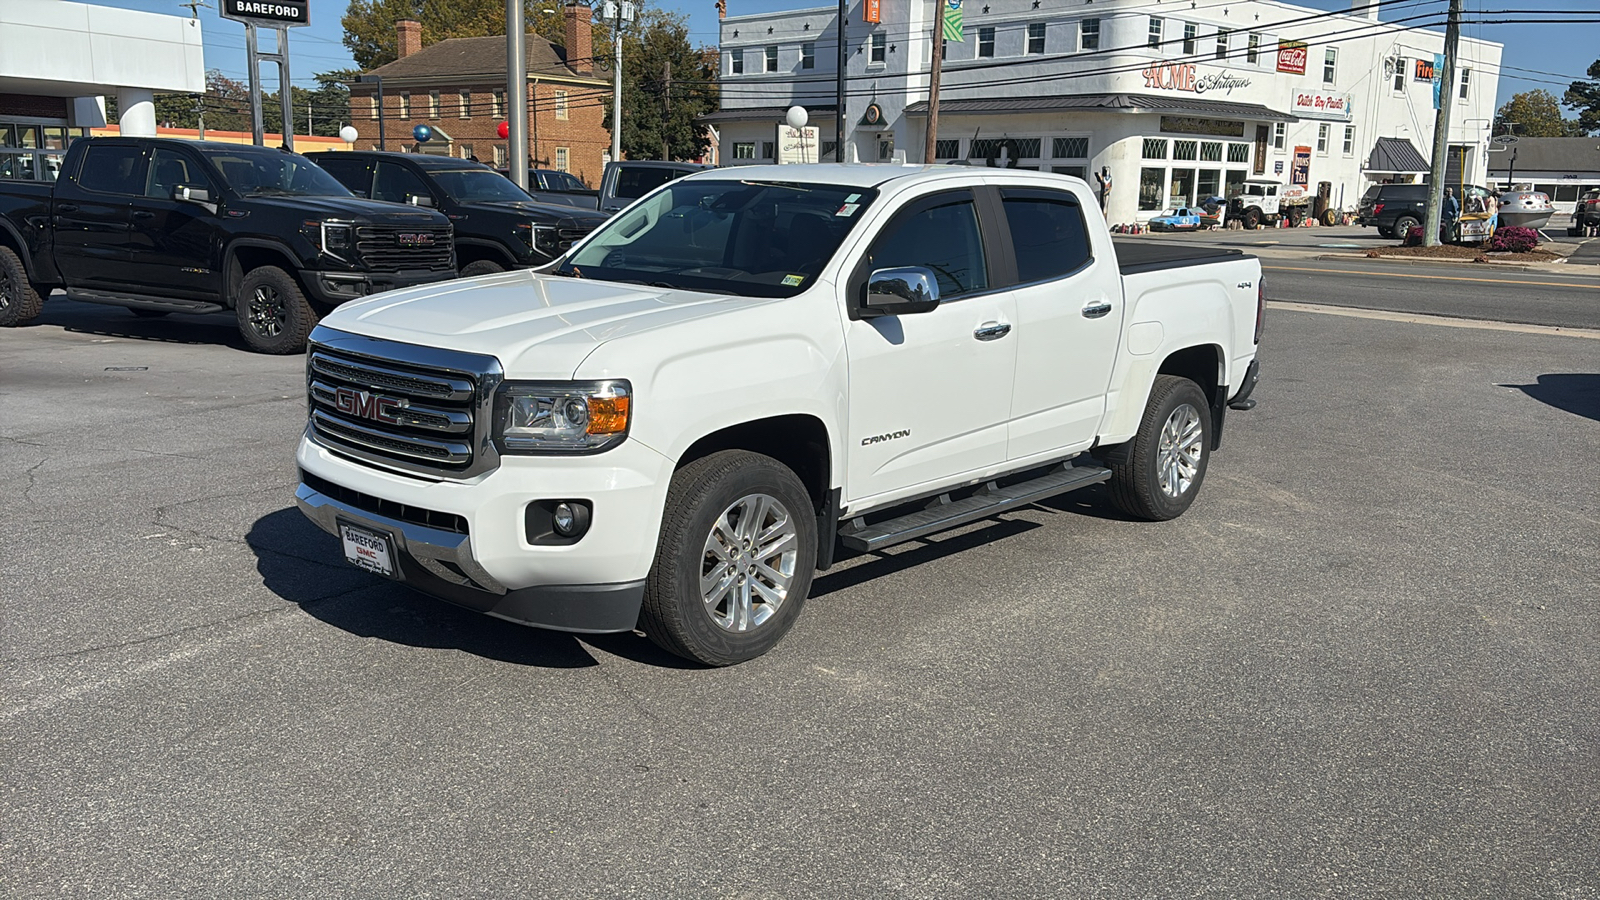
(408, 37)
(579, 39)
(1368, 8)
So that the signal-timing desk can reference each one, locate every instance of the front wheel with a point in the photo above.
(1156, 475)
(274, 316)
(1252, 219)
(737, 551)
(481, 267)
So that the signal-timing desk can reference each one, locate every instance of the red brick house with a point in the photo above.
(457, 87)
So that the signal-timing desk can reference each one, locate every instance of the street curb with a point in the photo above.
(1413, 260)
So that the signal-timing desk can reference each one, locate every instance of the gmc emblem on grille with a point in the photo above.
(369, 406)
(408, 239)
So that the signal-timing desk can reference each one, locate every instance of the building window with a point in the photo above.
(885, 147)
(1252, 52)
(561, 107)
(374, 102)
(464, 104)
(1466, 82)
(744, 150)
(1322, 140)
(433, 104)
(1151, 182)
(1154, 40)
(829, 148)
(985, 42)
(1211, 151)
(736, 63)
(1185, 150)
(1155, 148)
(466, 152)
(876, 56)
(1036, 37)
(808, 55)
(1091, 34)
(1209, 184)
(1279, 135)
(563, 157)
(497, 103)
(1190, 30)
(769, 60)
(1349, 140)
(1398, 86)
(499, 154)
(1222, 43)
(1238, 153)
(768, 150)
(405, 105)
(1330, 64)
(1070, 148)
(950, 149)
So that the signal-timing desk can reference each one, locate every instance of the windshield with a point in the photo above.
(479, 186)
(756, 239)
(259, 172)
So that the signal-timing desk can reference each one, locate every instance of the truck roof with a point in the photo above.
(423, 160)
(863, 174)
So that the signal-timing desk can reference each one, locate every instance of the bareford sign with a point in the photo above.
(268, 12)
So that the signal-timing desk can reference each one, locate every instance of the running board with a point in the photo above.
(942, 513)
(144, 301)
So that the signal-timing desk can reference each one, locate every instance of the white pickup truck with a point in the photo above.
(675, 425)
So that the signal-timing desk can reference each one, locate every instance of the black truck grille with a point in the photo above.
(403, 412)
(392, 248)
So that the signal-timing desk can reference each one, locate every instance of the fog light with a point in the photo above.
(566, 519)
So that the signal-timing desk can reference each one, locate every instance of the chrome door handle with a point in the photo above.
(1096, 310)
(992, 331)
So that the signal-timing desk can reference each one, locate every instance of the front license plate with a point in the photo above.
(368, 550)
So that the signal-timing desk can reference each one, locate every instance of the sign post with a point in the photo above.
(280, 16)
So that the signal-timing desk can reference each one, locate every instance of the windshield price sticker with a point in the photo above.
(793, 280)
(848, 210)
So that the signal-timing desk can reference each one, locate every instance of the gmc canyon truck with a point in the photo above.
(165, 225)
(673, 426)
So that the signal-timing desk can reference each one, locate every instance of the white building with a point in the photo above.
(58, 60)
(1174, 100)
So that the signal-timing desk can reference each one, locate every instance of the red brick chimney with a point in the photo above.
(408, 37)
(579, 38)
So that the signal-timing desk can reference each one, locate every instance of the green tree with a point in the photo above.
(328, 107)
(1584, 96)
(369, 24)
(226, 103)
(1534, 114)
(667, 84)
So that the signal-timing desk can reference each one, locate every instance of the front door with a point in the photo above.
(174, 247)
(92, 212)
(930, 393)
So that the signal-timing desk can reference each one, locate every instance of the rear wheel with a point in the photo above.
(1385, 232)
(274, 316)
(481, 267)
(19, 302)
(1252, 219)
(1156, 475)
(1403, 226)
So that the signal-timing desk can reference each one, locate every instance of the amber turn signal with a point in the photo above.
(608, 415)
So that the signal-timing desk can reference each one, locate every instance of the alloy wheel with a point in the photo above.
(1178, 456)
(268, 313)
(748, 566)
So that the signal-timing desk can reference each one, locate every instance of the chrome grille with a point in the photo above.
(402, 406)
(380, 247)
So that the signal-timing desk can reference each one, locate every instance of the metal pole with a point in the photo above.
(253, 60)
(931, 139)
(516, 94)
(383, 143)
(616, 90)
(285, 87)
(1441, 128)
(838, 118)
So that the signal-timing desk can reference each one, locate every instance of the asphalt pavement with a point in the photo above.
(1364, 664)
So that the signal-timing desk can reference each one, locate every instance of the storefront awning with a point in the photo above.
(772, 114)
(1395, 155)
(1103, 102)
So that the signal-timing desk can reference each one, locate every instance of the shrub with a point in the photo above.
(1413, 237)
(1514, 240)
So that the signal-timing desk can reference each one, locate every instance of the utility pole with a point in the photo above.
(931, 139)
(516, 95)
(666, 109)
(838, 119)
(200, 113)
(624, 11)
(1441, 127)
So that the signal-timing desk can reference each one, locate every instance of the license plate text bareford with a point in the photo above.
(368, 550)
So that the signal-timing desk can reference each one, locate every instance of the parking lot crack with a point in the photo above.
(122, 645)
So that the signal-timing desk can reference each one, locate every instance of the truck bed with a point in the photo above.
(1149, 256)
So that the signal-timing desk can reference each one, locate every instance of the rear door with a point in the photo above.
(354, 172)
(92, 212)
(174, 247)
(1068, 296)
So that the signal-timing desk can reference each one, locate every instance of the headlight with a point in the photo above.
(544, 239)
(332, 238)
(561, 417)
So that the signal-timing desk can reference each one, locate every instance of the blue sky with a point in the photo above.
(1553, 55)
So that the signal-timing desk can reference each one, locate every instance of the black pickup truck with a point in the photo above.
(498, 226)
(162, 225)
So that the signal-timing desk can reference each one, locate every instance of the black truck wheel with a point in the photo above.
(737, 551)
(1403, 226)
(1252, 219)
(1156, 475)
(274, 316)
(19, 302)
(481, 267)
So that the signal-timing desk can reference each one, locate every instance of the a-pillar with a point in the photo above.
(136, 112)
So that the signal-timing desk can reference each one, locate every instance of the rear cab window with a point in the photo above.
(1048, 234)
(112, 169)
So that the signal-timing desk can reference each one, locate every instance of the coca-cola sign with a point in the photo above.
(1292, 57)
(1321, 105)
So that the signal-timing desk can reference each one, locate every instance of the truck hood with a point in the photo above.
(366, 211)
(538, 326)
(542, 212)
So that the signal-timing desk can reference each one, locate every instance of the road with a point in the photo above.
(1366, 663)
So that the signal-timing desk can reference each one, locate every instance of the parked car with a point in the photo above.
(161, 225)
(1264, 201)
(497, 225)
(1586, 214)
(1395, 209)
(558, 188)
(1186, 218)
(681, 420)
(627, 181)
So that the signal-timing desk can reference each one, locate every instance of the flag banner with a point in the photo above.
(952, 21)
(1438, 76)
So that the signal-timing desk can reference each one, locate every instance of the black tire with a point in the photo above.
(147, 313)
(1296, 218)
(1136, 483)
(20, 303)
(1403, 226)
(1385, 232)
(273, 314)
(481, 267)
(675, 614)
(1252, 219)
(1329, 218)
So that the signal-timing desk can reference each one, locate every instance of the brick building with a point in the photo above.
(457, 87)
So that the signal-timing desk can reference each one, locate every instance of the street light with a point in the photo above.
(378, 80)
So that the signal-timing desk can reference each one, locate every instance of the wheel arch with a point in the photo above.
(11, 238)
(247, 254)
(798, 440)
(470, 250)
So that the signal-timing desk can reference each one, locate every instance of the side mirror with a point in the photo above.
(420, 200)
(901, 291)
(184, 193)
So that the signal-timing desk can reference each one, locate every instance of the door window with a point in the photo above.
(353, 173)
(943, 238)
(111, 169)
(397, 184)
(168, 169)
(1047, 232)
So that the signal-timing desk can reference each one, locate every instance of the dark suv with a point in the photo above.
(497, 225)
(1394, 209)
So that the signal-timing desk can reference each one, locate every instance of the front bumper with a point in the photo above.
(334, 288)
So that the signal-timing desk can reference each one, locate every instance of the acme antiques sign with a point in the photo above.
(1186, 77)
(1292, 57)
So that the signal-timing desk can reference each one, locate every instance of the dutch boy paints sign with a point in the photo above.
(1321, 105)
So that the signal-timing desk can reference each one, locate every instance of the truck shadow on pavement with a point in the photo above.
(302, 564)
(1569, 392)
(112, 321)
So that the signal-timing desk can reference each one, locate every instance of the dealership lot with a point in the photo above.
(1364, 664)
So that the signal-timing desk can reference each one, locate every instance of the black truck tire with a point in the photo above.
(1156, 475)
(1403, 226)
(273, 314)
(481, 267)
(20, 303)
(1252, 219)
(737, 526)
(1385, 232)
